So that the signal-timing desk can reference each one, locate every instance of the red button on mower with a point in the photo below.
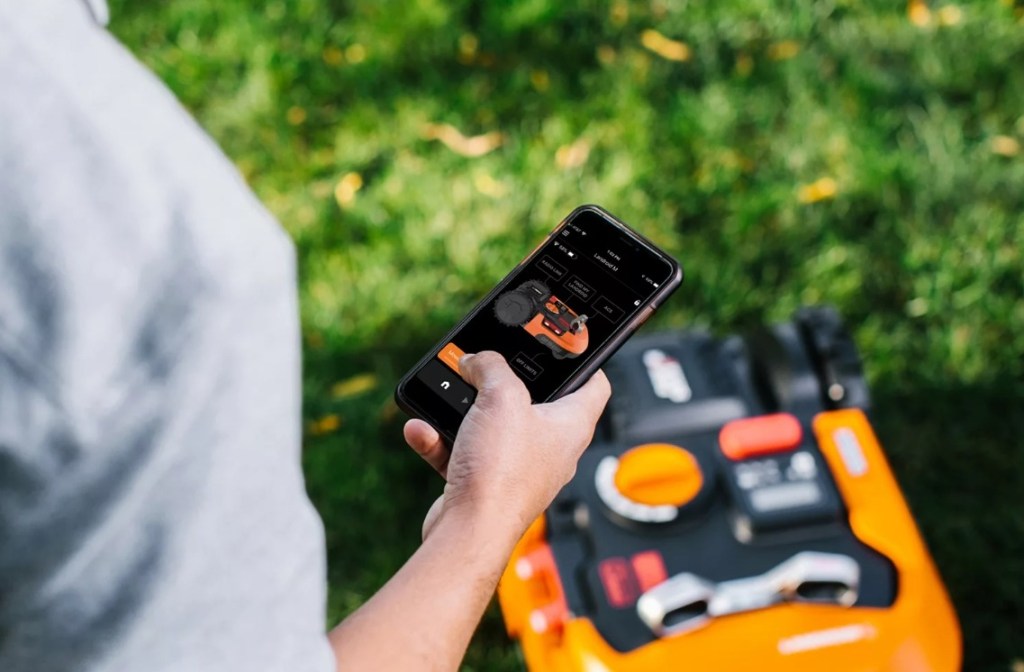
(763, 435)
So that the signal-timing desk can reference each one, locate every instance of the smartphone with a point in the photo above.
(556, 318)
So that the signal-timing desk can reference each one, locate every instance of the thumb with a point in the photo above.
(491, 375)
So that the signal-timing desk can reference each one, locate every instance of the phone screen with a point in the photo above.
(585, 283)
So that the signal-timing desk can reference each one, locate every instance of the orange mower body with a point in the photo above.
(707, 530)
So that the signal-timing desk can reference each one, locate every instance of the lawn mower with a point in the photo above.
(533, 307)
(735, 511)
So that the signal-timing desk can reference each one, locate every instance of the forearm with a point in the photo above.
(424, 617)
(501, 473)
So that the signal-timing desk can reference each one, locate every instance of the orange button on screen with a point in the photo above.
(451, 354)
(764, 435)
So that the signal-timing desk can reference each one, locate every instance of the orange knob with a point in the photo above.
(659, 474)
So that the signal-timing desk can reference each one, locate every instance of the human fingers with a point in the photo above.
(491, 375)
(587, 403)
(428, 444)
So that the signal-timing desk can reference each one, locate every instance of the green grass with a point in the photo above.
(920, 129)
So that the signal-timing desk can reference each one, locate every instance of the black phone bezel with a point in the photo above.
(408, 386)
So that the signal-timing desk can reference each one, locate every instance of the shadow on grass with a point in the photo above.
(371, 490)
(957, 452)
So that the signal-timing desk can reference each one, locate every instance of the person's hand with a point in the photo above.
(510, 457)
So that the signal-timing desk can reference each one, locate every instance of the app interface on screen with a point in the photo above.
(586, 281)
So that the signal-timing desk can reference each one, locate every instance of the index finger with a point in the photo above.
(589, 401)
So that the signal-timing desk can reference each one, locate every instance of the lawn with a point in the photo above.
(867, 154)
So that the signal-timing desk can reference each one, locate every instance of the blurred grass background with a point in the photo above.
(866, 154)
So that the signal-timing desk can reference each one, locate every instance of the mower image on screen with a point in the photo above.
(533, 307)
(735, 511)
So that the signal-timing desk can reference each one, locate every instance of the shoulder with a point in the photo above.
(121, 222)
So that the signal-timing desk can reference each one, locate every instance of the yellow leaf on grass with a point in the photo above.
(819, 190)
(669, 49)
(917, 307)
(950, 15)
(744, 65)
(619, 12)
(573, 155)
(783, 51)
(488, 186)
(295, 115)
(325, 425)
(918, 13)
(314, 339)
(1004, 145)
(355, 53)
(468, 44)
(540, 80)
(321, 188)
(345, 190)
(333, 55)
(356, 385)
(606, 54)
(453, 139)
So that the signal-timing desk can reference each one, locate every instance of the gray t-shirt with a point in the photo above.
(152, 508)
